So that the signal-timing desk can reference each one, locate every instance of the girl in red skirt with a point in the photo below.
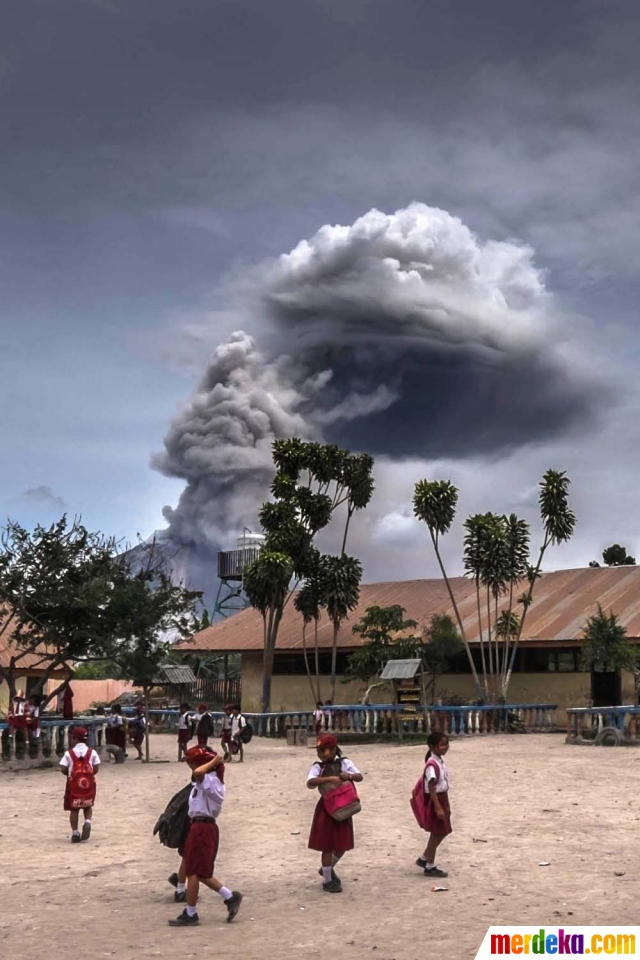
(330, 837)
(436, 785)
(201, 846)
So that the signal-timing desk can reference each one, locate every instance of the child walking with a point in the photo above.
(238, 723)
(185, 729)
(137, 728)
(80, 766)
(201, 845)
(330, 837)
(438, 812)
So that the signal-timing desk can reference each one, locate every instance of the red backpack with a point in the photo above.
(420, 798)
(82, 780)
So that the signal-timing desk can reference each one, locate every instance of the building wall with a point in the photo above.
(294, 693)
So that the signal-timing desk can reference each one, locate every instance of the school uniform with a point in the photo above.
(200, 848)
(225, 737)
(184, 729)
(137, 727)
(115, 731)
(237, 723)
(318, 719)
(436, 771)
(327, 834)
(66, 763)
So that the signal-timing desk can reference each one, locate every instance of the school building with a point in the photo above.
(29, 668)
(547, 667)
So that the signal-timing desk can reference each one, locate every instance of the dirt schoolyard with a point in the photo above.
(516, 802)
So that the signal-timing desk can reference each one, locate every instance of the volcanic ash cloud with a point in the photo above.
(402, 335)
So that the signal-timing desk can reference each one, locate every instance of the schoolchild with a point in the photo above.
(225, 738)
(238, 723)
(330, 837)
(80, 765)
(201, 845)
(185, 729)
(438, 812)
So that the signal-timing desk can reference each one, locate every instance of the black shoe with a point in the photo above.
(180, 897)
(334, 886)
(435, 872)
(173, 879)
(233, 905)
(86, 830)
(184, 920)
(75, 838)
(334, 876)
(421, 862)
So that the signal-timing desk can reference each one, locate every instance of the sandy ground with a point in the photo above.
(531, 798)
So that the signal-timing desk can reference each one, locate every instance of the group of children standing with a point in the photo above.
(332, 833)
(201, 725)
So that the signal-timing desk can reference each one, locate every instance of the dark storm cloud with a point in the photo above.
(401, 335)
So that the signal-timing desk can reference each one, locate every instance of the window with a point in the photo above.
(293, 663)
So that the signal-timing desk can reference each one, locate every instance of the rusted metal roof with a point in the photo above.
(562, 601)
(176, 674)
(37, 660)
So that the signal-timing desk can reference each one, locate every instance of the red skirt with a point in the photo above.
(328, 835)
(439, 826)
(200, 849)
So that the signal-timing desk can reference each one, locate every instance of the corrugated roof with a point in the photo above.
(562, 601)
(400, 669)
(175, 674)
(38, 660)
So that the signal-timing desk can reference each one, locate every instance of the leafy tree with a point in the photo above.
(617, 556)
(438, 648)
(379, 628)
(68, 597)
(605, 645)
(312, 482)
(385, 630)
(496, 557)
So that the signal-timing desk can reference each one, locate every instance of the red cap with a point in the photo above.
(326, 740)
(199, 753)
(80, 733)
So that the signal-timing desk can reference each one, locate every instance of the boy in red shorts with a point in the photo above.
(201, 846)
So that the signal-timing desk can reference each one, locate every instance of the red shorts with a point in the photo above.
(183, 737)
(200, 849)
(440, 827)
(226, 736)
(329, 835)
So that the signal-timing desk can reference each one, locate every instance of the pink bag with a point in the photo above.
(420, 799)
(343, 802)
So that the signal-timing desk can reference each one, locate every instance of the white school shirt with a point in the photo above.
(206, 797)
(185, 720)
(346, 766)
(237, 723)
(114, 720)
(81, 748)
(318, 716)
(441, 778)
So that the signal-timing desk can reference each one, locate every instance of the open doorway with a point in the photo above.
(606, 688)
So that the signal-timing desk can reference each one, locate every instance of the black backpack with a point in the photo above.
(205, 725)
(173, 824)
(246, 733)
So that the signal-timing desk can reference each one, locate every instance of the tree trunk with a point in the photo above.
(314, 693)
(467, 647)
(146, 723)
(334, 660)
(269, 651)
(364, 699)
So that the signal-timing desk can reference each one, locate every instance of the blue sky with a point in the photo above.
(154, 153)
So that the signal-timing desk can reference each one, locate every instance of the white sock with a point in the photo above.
(225, 893)
(76, 833)
(430, 866)
(191, 911)
(181, 887)
(326, 874)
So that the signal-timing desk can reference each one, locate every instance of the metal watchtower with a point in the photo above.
(231, 566)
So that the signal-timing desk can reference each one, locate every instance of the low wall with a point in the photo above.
(18, 750)
(293, 692)
(88, 692)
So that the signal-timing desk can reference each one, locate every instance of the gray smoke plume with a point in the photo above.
(401, 335)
